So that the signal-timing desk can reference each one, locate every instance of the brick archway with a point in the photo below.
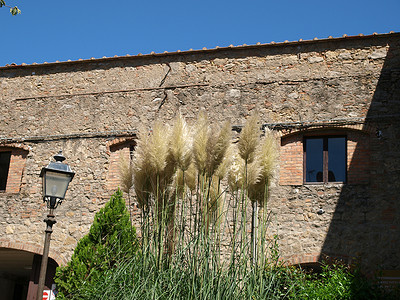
(365, 128)
(304, 258)
(33, 248)
(316, 257)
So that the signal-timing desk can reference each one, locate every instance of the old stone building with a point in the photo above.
(336, 98)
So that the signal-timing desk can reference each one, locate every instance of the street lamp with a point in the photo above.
(56, 178)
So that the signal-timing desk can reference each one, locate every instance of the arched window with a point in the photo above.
(12, 163)
(120, 149)
(339, 155)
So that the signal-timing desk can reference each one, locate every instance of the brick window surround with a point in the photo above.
(118, 149)
(16, 167)
(358, 155)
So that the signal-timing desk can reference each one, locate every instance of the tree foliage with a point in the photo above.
(110, 241)
(13, 9)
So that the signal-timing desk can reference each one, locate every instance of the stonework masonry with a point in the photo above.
(92, 110)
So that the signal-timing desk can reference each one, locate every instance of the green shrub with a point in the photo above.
(110, 241)
(336, 281)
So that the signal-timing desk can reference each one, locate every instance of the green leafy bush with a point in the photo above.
(332, 283)
(336, 281)
(110, 241)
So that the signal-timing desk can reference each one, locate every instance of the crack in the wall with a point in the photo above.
(163, 100)
(166, 75)
(165, 91)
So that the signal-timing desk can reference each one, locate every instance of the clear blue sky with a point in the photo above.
(50, 30)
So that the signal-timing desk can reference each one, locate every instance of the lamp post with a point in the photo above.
(56, 178)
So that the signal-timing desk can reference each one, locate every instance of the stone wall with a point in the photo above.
(85, 107)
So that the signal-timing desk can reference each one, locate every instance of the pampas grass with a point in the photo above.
(251, 171)
(202, 132)
(143, 174)
(190, 220)
(268, 154)
(159, 149)
(180, 144)
(210, 146)
(235, 170)
(125, 174)
(217, 144)
(253, 160)
(223, 168)
(253, 174)
(249, 139)
(191, 177)
(266, 157)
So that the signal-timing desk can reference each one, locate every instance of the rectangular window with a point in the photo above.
(4, 167)
(325, 159)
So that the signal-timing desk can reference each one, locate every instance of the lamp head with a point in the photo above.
(56, 178)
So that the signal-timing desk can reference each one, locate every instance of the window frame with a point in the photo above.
(325, 158)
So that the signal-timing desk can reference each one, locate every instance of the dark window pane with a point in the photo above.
(337, 159)
(4, 166)
(314, 160)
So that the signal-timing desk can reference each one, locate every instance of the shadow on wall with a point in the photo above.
(366, 222)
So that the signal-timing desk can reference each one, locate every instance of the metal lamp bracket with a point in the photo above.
(52, 202)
